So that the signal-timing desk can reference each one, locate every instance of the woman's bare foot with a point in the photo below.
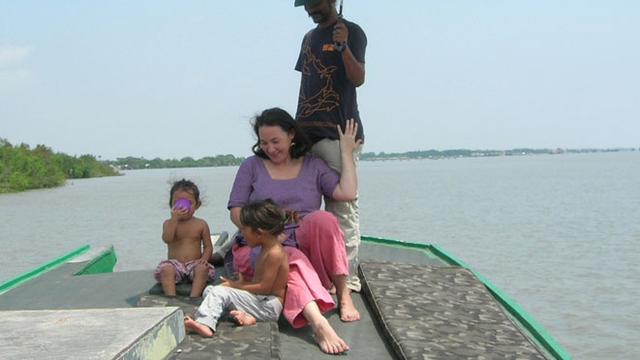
(348, 311)
(242, 318)
(194, 326)
(327, 338)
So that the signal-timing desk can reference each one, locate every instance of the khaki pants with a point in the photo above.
(347, 212)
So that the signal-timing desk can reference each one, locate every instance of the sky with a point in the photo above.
(172, 79)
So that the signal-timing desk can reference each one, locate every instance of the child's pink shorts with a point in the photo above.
(183, 271)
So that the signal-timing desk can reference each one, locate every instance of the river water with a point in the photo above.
(559, 234)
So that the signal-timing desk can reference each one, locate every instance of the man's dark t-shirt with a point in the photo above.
(327, 97)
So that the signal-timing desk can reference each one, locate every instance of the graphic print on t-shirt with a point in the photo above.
(326, 99)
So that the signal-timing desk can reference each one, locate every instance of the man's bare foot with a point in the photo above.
(194, 326)
(327, 338)
(348, 311)
(242, 318)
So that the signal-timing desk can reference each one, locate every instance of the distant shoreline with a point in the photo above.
(466, 153)
(138, 163)
(20, 174)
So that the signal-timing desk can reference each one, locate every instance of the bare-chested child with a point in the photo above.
(249, 301)
(188, 240)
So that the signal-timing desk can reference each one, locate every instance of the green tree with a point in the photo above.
(23, 168)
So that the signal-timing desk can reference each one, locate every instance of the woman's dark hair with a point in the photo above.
(265, 215)
(277, 117)
(187, 186)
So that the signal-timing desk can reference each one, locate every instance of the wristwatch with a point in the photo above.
(340, 46)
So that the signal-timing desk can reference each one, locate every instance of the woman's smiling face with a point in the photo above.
(276, 143)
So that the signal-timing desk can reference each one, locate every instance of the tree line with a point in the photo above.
(23, 168)
(135, 163)
(458, 153)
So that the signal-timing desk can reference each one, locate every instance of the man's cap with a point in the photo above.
(305, 2)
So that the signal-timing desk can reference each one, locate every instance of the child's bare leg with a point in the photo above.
(168, 280)
(348, 311)
(194, 326)
(326, 337)
(200, 276)
(242, 318)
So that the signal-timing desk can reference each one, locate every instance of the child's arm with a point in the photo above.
(171, 225)
(265, 280)
(207, 246)
(169, 230)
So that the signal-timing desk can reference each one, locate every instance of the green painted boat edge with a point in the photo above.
(424, 248)
(532, 326)
(104, 262)
(21, 279)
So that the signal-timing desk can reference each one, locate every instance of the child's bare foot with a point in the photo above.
(242, 318)
(327, 338)
(194, 326)
(348, 311)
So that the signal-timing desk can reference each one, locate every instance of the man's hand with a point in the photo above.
(340, 33)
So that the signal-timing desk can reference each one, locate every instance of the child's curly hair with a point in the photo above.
(184, 185)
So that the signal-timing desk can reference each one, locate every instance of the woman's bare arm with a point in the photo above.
(347, 189)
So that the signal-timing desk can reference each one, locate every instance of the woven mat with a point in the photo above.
(430, 312)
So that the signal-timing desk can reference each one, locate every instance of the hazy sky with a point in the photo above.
(183, 78)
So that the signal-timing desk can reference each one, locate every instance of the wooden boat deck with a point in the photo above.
(421, 308)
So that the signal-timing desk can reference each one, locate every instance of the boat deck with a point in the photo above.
(421, 308)
(129, 333)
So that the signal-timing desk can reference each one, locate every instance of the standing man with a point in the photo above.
(331, 62)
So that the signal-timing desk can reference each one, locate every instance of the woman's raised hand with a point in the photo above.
(347, 189)
(348, 142)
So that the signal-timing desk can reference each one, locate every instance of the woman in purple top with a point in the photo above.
(282, 171)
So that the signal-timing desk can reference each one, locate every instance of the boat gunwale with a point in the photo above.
(527, 321)
(104, 262)
(46, 267)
